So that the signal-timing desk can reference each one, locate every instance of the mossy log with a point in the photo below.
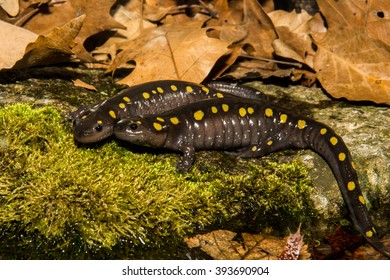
(59, 200)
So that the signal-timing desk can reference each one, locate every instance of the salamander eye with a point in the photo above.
(133, 126)
(99, 127)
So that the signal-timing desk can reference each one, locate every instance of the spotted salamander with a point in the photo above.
(251, 129)
(95, 123)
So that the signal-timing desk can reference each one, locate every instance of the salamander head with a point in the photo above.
(92, 129)
(142, 132)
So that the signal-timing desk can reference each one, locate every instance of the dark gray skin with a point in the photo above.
(250, 128)
(94, 123)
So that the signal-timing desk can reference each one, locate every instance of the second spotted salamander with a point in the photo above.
(251, 128)
(95, 123)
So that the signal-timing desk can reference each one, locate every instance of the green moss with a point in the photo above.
(58, 200)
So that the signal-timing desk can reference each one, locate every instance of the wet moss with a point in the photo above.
(58, 200)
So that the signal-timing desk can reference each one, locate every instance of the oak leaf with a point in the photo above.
(378, 20)
(352, 65)
(294, 41)
(12, 49)
(229, 21)
(372, 15)
(11, 7)
(53, 48)
(344, 13)
(97, 19)
(260, 30)
(257, 50)
(172, 51)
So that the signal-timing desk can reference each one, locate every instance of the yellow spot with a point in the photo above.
(353, 165)
(198, 115)
(160, 90)
(283, 118)
(160, 119)
(242, 112)
(174, 120)
(214, 109)
(157, 126)
(138, 122)
(373, 229)
(361, 199)
(146, 95)
(334, 140)
(205, 89)
(250, 110)
(254, 149)
(269, 143)
(351, 186)
(112, 114)
(126, 99)
(154, 92)
(341, 156)
(189, 89)
(301, 124)
(269, 112)
(99, 122)
(219, 95)
(122, 105)
(173, 87)
(323, 131)
(83, 117)
(225, 107)
(369, 233)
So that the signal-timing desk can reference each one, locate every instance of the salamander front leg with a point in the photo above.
(184, 165)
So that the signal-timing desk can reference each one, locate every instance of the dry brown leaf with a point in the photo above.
(352, 65)
(260, 29)
(132, 21)
(157, 11)
(180, 52)
(11, 7)
(344, 13)
(134, 25)
(225, 62)
(97, 19)
(12, 49)
(80, 83)
(257, 44)
(378, 20)
(228, 20)
(221, 245)
(53, 48)
(349, 62)
(373, 15)
(43, 21)
(294, 40)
